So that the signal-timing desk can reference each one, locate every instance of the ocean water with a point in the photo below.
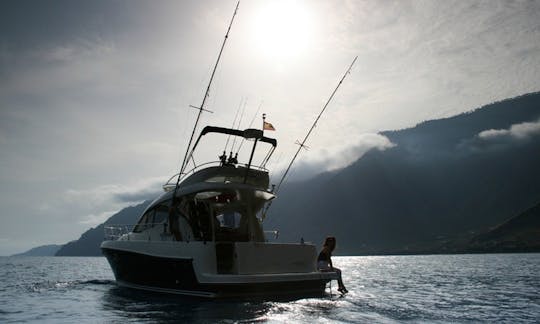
(383, 289)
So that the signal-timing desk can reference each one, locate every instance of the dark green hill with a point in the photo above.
(441, 185)
(519, 234)
(441, 181)
(89, 242)
(44, 250)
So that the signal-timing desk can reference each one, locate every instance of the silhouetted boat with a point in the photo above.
(202, 236)
(211, 244)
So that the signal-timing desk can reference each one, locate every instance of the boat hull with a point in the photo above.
(178, 276)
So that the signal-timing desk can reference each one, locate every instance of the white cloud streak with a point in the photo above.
(520, 131)
(308, 164)
(500, 139)
(99, 203)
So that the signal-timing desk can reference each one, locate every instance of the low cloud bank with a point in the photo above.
(495, 139)
(517, 131)
(334, 158)
(98, 204)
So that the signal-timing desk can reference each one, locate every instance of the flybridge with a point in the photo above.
(256, 135)
(248, 170)
(250, 133)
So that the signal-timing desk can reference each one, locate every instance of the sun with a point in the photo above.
(282, 29)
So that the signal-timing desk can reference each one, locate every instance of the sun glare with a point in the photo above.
(282, 29)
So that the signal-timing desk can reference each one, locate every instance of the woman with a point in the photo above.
(324, 261)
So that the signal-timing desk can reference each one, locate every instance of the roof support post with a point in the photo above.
(250, 159)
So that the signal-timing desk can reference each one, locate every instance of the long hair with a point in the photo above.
(330, 243)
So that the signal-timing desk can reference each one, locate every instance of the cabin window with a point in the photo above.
(155, 216)
(162, 213)
(229, 219)
(231, 225)
(144, 221)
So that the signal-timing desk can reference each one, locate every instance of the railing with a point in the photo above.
(171, 183)
(267, 235)
(114, 231)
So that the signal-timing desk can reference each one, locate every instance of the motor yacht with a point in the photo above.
(204, 236)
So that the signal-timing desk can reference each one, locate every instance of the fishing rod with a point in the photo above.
(234, 123)
(303, 143)
(189, 154)
(250, 124)
(238, 125)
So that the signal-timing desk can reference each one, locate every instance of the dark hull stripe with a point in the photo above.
(177, 276)
(169, 291)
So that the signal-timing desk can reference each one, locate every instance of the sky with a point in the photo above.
(95, 95)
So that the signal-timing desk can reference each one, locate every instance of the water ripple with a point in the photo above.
(386, 289)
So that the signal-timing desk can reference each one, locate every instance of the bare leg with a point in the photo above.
(340, 281)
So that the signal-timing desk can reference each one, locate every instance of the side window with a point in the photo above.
(162, 213)
(144, 221)
(153, 217)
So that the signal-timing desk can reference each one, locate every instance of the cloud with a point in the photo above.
(336, 158)
(81, 48)
(95, 205)
(94, 219)
(132, 193)
(132, 196)
(521, 131)
(86, 102)
(366, 142)
(496, 139)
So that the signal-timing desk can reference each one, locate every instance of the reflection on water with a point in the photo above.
(145, 306)
(148, 306)
(438, 288)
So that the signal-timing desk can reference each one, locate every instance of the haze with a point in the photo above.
(95, 95)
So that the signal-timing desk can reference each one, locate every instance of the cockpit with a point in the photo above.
(221, 215)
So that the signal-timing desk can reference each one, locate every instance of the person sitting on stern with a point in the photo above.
(324, 261)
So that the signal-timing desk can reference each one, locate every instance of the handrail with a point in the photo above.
(267, 233)
(113, 232)
(170, 184)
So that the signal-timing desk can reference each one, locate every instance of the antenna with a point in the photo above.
(303, 143)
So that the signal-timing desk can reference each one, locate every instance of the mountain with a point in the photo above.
(44, 250)
(520, 233)
(443, 183)
(444, 180)
(89, 242)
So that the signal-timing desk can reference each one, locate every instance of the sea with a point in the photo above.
(489, 288)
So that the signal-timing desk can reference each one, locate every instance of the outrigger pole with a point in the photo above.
(303, 143)
(189, 154)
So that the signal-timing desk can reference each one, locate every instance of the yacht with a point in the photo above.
(203, 236)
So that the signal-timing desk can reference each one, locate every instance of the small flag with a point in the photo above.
(268, 126)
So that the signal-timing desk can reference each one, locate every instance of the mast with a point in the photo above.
(188, 154)
(302, 144)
